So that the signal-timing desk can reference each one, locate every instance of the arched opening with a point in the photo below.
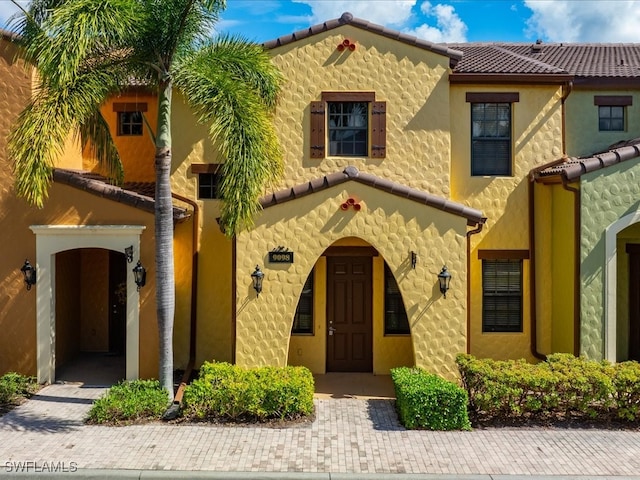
(350, 315)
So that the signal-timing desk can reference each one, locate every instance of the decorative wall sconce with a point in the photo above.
(351, 202)
(346, 44)
(140, 275)
(257, 276)
(29, 273)
(129, 253)
(444, 277)
(414, 259)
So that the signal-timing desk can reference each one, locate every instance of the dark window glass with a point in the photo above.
(129, 123)
(303, 319)
(611, 119)
(490, 139)
(502, 295)
(395, 315)
(208, 185)
(348, 128)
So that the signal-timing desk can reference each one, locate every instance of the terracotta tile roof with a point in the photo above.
(351, 173)
(579, 59)
(139, 195)
(574, 167)
(348, 19)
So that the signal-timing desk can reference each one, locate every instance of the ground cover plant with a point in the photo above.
(225, 392)
(561, 389)
(14, 389)
(424, 400)
(130, 401)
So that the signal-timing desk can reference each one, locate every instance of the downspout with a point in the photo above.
(478, 229)
(576, 264)
(234, 311)
(567, 88)
(194, 296)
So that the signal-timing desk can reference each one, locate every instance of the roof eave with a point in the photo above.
(519, 78)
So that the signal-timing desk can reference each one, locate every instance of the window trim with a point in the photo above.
(130, 124)
(610, 118)
(515, 259)
(377, 123)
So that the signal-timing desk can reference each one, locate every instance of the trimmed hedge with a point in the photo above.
(228, 392)
(130, 401)
(561, 385)
(424, 400)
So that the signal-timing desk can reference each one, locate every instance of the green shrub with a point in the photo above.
(427, 401)
(130, 401)
(562, 385)
(626, 382)
(14, 387)
(225, 391)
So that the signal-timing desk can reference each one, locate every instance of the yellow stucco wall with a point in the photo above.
(394, 227)
(411, 80)
(536, 139)
(583, 135)
(137, 152)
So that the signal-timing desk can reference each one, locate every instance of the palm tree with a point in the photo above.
(86, 51)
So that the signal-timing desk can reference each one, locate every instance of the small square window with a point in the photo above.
(303, 319)
(208, 185)
(129, 123)
(611, 118)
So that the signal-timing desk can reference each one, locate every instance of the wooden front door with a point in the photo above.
(349, 314)
(634, 301)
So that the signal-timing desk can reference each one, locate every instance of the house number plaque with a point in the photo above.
(280, 255)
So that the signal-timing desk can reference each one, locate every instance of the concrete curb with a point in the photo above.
(86, 474)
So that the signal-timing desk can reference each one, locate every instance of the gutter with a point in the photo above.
(194, 297)
(478, 229)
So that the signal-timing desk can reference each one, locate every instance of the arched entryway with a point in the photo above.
(622, 308)
(51, 243)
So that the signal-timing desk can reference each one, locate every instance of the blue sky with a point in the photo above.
(439, 21)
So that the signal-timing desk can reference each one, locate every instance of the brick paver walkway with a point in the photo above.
(348, 435)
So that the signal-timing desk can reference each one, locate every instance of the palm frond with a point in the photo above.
(96, 137)
(241, 126)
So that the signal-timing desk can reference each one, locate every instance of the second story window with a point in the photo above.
(611, 112)
(208, 179)
(350, 124)
(491, 135)
(130, 121)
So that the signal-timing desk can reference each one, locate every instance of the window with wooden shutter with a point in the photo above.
(348, 124)
(502, 295)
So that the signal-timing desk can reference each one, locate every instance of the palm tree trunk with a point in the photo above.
(165, 281)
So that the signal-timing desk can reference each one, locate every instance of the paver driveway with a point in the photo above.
(348, 435)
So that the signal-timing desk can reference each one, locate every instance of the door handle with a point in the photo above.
(331, 330)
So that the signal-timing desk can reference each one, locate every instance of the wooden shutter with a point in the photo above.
(379, 130)
(317, 130)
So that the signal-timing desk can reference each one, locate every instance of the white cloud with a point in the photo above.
(449, 26)
(584, 20)
(392, 13)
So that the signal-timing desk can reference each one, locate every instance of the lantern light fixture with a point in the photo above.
(444, 277)
(29, 272)
(129, 253)
(257, 276)
(140, 275)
